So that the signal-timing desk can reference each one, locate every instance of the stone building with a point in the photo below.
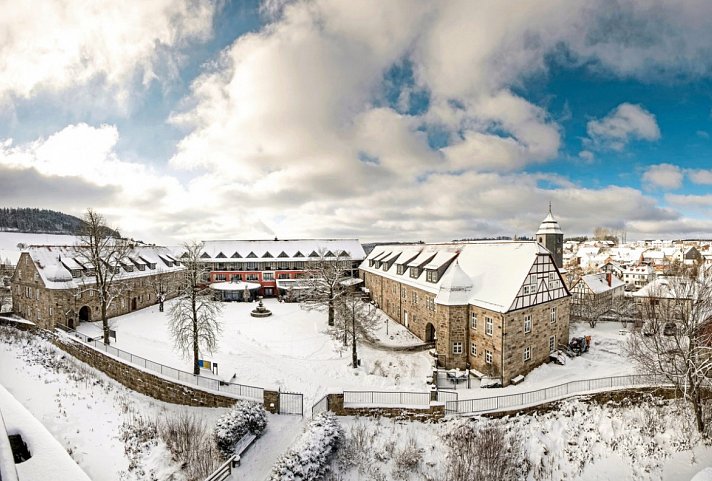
(54, 285)
(498, 307)
(594, 295)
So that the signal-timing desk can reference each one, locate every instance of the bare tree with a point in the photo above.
(5, 298)
(354, 320)
(163, 287)
(675, 341)
(195, 317)
(103, 254)
(322, 282)
(590, 308)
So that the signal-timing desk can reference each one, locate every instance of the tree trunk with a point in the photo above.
(699, 415)
(196, 365)
(104, 320)
(331, 311)
(354, 355)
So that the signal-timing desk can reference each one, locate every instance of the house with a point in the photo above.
(691, 255)
(275, 264)
(499, 307)
(54, 285)
(594, 295)
(636, 277)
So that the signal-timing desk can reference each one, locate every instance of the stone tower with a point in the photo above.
(550, 236)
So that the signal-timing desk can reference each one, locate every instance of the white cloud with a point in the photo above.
(665, 176)
(700, 176)
(624, 123)
(64, 44)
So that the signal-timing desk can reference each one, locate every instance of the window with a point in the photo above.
(552, 344)
(473, 350)
(219, 277)
(473, 321)
(50, 312)
(488, 356)
(527, 353)
(403, 293)
(457, 348)
(251, 277)
(431, 275)
(282, 276)
(400, 269)
(553, 314)
(414, 298)
(527, 324)
(488, 325)
(414, 272)
(268, 276)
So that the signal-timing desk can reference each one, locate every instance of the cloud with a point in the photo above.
(108, 46)
(689, 200)
(700, 176)
(623, 124)
(664, 176)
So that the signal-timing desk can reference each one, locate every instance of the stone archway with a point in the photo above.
(430, 335)
(85, 314)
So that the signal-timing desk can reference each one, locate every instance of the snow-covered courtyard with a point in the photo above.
(289, 350)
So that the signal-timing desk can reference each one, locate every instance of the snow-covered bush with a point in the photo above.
(406, 461)
(309, 458)
(245, 417)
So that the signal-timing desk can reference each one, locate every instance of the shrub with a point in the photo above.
(188, 439)
(245, 417)
(308, 459)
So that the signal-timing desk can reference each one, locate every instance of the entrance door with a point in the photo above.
(268, 292)
(133, 304)
(430, 333)
(405, 318)
(84, 314)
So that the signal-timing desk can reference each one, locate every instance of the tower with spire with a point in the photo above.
(550, 236)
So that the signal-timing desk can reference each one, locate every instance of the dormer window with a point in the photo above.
(371, 262)
(414, 272)
(400, 269)
(431, 275)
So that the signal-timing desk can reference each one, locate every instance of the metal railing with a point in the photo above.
(552, 393)
(225, 470)
(386, 399)
(321, 406)
(242, 391)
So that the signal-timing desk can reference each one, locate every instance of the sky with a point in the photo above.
(401, 120)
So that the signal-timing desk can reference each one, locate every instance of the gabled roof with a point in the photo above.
(288, 249)
(598, 283)
(495, 269)
(221, 256)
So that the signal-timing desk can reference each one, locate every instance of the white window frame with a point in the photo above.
(527, 353)
(552, 314)
(488, 357)
(457, 347)
(489, 325)
(552, 343)
(473, 321)
(527, 322)
(473, 349)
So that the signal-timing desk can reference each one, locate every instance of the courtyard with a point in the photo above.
(289, 350)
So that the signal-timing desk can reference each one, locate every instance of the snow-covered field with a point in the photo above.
(87, 413)
(653, 441)
(288, 350)
(10, 240)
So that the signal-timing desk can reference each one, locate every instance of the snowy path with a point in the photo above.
(257, 462)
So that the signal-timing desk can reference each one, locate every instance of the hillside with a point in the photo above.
(40, 221)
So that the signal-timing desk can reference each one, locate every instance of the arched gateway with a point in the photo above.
(84, 314)
(430, 333)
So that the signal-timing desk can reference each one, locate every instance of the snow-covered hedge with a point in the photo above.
(245, 417)
(308, 459)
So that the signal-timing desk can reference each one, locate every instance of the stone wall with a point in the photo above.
(335, 404)
(150, 384)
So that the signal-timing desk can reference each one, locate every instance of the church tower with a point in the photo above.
(550, 236)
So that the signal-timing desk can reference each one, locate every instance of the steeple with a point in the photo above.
(551, 236)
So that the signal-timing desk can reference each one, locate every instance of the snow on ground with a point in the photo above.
(87, 412)
(288, 350)
(605, 358)
(653, 441)
(49, 459)
(390, 333)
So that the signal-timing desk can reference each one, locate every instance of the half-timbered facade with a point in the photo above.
(497, 307)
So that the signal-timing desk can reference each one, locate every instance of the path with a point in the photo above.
(256, 464)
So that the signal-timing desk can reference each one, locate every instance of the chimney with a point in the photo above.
(609, 278)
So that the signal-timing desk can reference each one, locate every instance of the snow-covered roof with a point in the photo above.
(280, 250)
(549, 225)
(13, 243)
(668, 288)
(488, 274)
(54, 265)
(598, 283)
